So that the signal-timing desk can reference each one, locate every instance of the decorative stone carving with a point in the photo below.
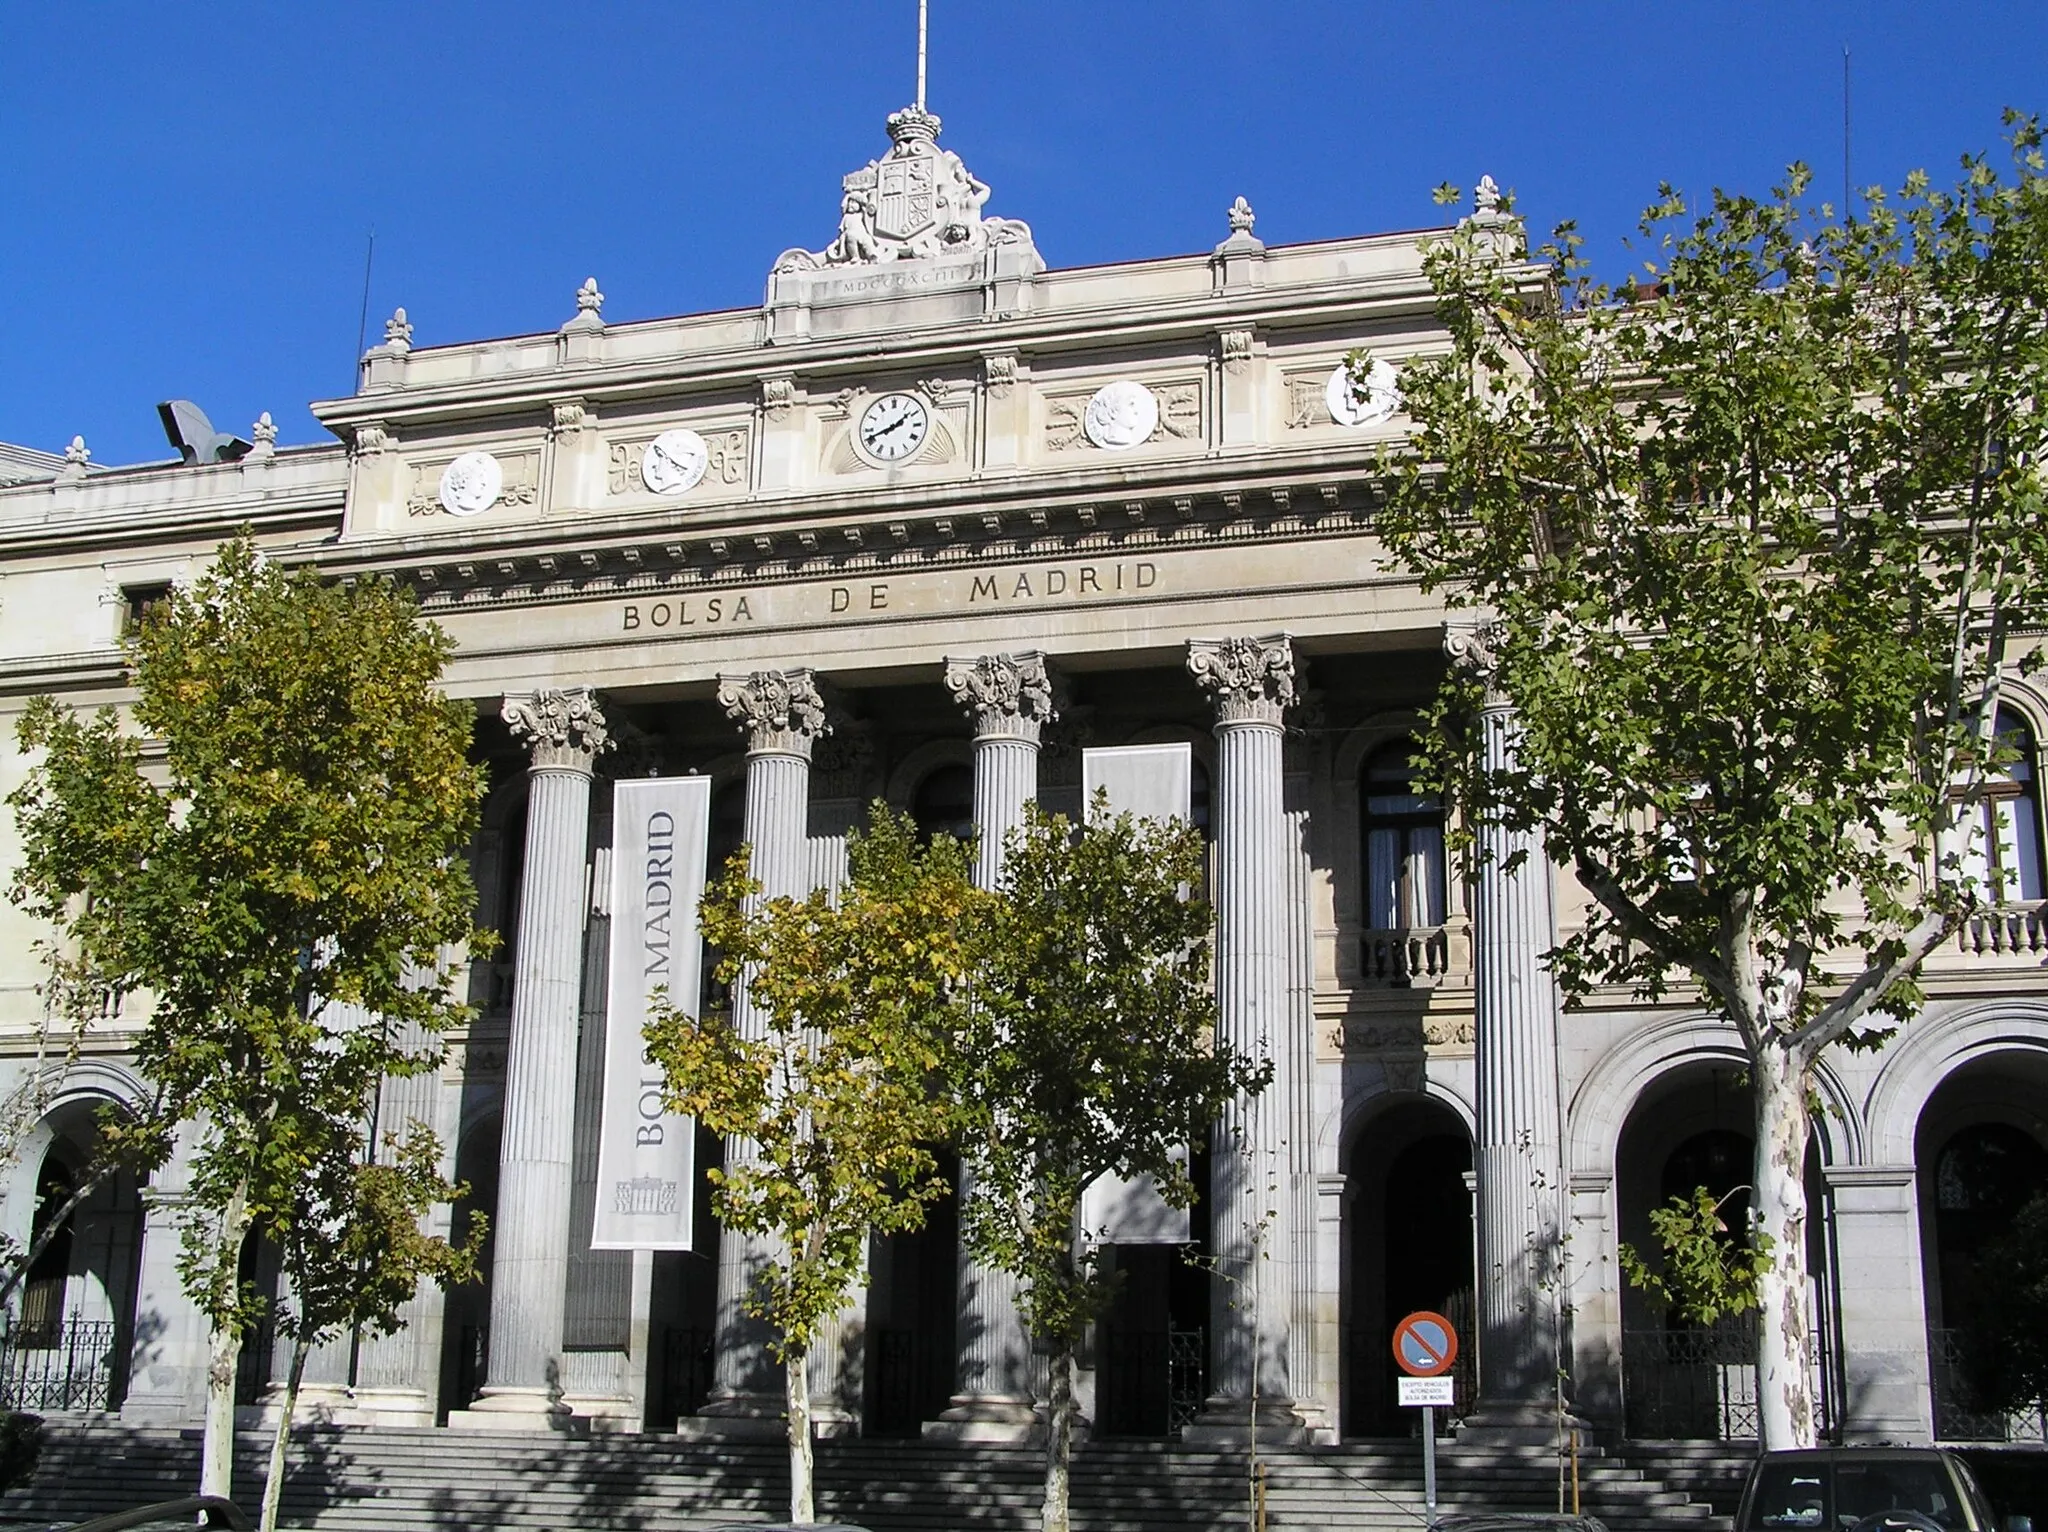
(570, 417)
(471, 484)
(1486, 197)
(1236, 347)
(564, 726)
(1005, 694)
(843, 762)
(1180, 410)
(1001, 374)
(371, 439)
(77, 460)
(1121, 415)
(1250, 680)
(778, 397)
(1472, 642)
(1363, 402)
(263, 436)
(588, 299)
(398, 332)
(1241, 217)
(917, 202)
(780, 710)
(938, 390)
(725, 463)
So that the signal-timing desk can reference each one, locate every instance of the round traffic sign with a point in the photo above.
(1425, 1345)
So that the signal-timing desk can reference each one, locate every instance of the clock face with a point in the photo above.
(471, 484)
(674, 462)
(894, 427)
(1367, 404)
(1122, 414)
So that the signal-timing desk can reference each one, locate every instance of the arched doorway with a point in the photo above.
(1982, 1156)
(1152, 1347)
(1408, 1245)
(74, 1329)
(1683, 1380)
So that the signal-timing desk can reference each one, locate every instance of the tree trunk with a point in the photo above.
(1785, 1404)
(796, 1393)
(1059, 1439)
(273, 1481)
(224, 1345)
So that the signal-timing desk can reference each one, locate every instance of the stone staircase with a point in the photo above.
(344, 1479)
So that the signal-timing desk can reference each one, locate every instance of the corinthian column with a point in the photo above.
(530, 1259)
(781, 714)
(1518, 1156)
(1251, 682)
(1009, 697)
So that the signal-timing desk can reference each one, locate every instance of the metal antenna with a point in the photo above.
(363, 319)
(1845, 132)
(921, 4)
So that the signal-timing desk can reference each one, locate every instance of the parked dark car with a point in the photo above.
(1868, 1489)
(193, 1511)
(1516, 1521)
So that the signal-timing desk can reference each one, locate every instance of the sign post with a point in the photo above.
(1425, 1346)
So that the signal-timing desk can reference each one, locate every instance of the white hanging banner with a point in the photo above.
(1152, 782)
(645, 1156)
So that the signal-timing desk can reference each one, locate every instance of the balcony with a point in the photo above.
(2018, 929)
(1418, 958)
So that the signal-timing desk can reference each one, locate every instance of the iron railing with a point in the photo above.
(683, 1360)
(1150, 1383)
(68, 1364)
(1961, 1413)
(910, 1378)
(1701, 1384)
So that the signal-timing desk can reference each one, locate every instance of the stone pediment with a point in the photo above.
(909, 221)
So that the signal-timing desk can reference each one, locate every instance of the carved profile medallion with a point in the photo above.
(471, 484)
(1121, 415)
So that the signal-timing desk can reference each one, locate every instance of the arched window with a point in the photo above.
(944, 802)
(2004, 851)
(1404, 844)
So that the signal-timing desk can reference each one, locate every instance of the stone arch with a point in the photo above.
(920, 762)
(1337, 1134)
(88, 1081)
(1600, 1105)
(1932, 1048)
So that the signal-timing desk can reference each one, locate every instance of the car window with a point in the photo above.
(1790, 1494)
(1897, 1484)
(1975, 1492)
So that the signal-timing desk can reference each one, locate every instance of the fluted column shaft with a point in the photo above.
(530, 1258)
(1518, 1155)
(781, 715)
(1251, 682)
(1009, 697)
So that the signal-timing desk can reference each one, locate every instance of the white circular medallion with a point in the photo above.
(674, 462)
(471, 484)
(1367, 404)
(894, 427)
(1121, 415)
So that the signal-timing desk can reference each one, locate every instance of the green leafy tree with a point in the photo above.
(1751, 536)
(286, 851)
(353, 1251)
(836, 1092)
(1090, 1051)
(1704, 1269)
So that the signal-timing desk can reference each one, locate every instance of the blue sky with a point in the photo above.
(185, 191)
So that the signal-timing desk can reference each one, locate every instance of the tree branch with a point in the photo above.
(1870, 986)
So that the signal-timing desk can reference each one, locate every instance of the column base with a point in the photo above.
(746, 1416)
(609, 1414)
(517, 1409)
(1229, 1423)
(1521, 1425)
(390, 1407)
(989, 1420)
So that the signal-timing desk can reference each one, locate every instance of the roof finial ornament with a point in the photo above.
(264, 435)
(77, 458)
(398, 332)
(1486, 197)
(588, 299)
(1242, 217)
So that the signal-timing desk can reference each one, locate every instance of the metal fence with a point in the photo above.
(1150, 1382)
(683, 1359)
(69, 1364)
(910, 1378)
(1961, 1413)
(1701, 1384)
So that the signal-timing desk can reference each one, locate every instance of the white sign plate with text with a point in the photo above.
(1420, 1391)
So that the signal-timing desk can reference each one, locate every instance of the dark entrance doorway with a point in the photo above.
(1408, 1246)
(1151, 1349)
(913, 1315)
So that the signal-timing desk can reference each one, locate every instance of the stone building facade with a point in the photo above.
(927, 525)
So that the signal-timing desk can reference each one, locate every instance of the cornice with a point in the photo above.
(31, 675)
(1042, 333)
(195, 521)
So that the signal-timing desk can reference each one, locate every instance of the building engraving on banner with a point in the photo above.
(899, 594)
(727, 454)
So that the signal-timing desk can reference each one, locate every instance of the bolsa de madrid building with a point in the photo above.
(934, 523)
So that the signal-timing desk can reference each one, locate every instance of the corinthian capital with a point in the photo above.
(780, 710)
(565, 727)
(1472, 642)
(1005, 694)
(1250, 680)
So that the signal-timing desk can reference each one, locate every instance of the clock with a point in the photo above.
(893, 428)
(471, 484)
(1363, 403)
(673, 462)
(1122, 414)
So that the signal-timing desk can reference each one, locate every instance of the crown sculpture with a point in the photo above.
(915, 203)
